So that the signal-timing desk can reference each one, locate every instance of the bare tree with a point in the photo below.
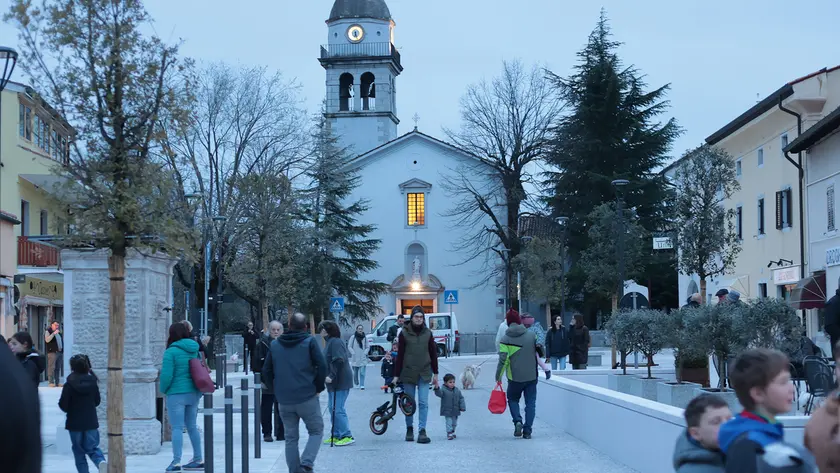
(506, 123)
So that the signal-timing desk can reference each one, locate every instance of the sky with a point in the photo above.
(719, 56)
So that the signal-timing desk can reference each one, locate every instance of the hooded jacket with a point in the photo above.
(518, 355)
(558, 343)
(691, 457)
(175, 377)
(34, 364)
(296, 367)
(79, 398)
(744, 439)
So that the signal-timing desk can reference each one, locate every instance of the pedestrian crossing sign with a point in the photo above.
(450, 297)
(337, 304)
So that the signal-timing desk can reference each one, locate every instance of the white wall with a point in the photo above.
(823, 171)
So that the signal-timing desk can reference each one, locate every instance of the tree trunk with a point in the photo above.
(264, 312)
(612, 348)
(116, 339)
(703, 291)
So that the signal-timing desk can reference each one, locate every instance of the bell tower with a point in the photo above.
(362, 65)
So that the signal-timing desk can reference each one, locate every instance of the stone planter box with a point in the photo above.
(595, 360)
(644, 387)
(621, 383)
(727, 394)
(677, 395)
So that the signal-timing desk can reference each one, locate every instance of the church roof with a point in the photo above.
(415, 133)
(376, 9)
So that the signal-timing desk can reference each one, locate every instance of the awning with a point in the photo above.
(809, 293)
(48, 182)
(739, 283)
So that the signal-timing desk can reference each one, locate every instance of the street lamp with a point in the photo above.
(619, 185)
(564, 224)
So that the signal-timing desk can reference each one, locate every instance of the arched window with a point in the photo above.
(368, 91)
(345, 92)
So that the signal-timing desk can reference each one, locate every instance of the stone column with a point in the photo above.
(148, 294)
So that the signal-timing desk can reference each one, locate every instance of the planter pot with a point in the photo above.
(696, 375)
(727, 394)
(645, 387)
(620, 382)
(677, 395)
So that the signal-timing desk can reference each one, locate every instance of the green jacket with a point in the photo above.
(175, 375)
(518, 355)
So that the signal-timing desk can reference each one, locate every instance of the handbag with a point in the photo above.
(498, 400)
(200, 374)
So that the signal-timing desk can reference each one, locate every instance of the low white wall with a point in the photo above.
(641, 433)
(599, 377)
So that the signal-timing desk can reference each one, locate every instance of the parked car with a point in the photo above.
(444, 328)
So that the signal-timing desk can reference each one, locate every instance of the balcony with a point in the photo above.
(35, 253)
(350, 50)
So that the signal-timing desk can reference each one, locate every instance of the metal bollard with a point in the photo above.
(257, 415)
(208, 432)
(228, 429)
(220, 365)
(476, 344)
(245, 426)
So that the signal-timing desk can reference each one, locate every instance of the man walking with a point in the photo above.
(250, 337)
(518, 359)
(268, 403)
(394, 330)
(296, 367)
(55, 349)
(416, 366)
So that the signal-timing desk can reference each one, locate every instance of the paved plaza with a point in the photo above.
(485, 442)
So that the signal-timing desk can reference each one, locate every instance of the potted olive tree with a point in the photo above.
(690, 360)
(716, 331)
(649, 337)
(620, 328)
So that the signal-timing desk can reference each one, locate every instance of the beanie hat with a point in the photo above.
(417, 310)
(512, 317)
(733, 296)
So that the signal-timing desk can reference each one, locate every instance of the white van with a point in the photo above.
(442, 324)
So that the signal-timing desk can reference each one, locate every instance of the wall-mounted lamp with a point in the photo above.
(781, 262)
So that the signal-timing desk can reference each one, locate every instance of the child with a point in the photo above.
(387, 371)
(541, 363)
(697, 449)
(79, 398)
(451, 403)
(761, 379)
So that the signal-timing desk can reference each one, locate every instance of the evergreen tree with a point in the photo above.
(340, 249)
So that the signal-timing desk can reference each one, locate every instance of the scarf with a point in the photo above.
(359, 338)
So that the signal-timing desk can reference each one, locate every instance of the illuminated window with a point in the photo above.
(416, 208)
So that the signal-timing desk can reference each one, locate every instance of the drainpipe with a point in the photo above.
(801, 188)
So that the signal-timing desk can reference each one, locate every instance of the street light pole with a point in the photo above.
(563, 222)
(619, 185)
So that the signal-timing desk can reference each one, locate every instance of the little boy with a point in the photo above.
(697, 449)
(452, 403)
(761, 379)
(387, 370)
(79, 398)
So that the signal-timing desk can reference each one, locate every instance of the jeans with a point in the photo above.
(514, 392)
(269, 409)
(451, 424)
(54, 362)
(558, 360)
(310, 412)
(183, 409)
(420, 393)
(86, 443)
(340, 422)
(359, 375)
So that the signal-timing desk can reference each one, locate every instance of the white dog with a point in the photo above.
(469, 376)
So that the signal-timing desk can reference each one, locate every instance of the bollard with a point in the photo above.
(228, 429)
(220, 364)
(208, 432)
(476, 344)
(257, 415)
(245, 426)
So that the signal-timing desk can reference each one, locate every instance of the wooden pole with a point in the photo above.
(116, 339)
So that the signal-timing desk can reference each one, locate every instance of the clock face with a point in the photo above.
(355, 33)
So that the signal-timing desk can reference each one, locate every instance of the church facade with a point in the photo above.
(400, 175)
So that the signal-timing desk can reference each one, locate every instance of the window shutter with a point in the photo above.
(789, 209)
(779, 210)
(829, 195)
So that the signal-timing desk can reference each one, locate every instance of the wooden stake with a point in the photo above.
(116, 339)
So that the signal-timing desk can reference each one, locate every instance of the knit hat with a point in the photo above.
(512, 317)
(733, 296)
(417, 310)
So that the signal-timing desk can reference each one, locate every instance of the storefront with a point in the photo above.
(41, 301)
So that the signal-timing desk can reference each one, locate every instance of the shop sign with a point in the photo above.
(832, 257)
(786, 275)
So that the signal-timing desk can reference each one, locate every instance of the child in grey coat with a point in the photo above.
(452, 404)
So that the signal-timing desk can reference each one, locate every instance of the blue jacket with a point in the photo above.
(296, 366)
(175, 377)
(744, 439)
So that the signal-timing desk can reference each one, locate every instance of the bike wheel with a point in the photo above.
(378, 425)
(407, 405)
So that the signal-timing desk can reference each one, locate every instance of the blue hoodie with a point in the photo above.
(744, 439)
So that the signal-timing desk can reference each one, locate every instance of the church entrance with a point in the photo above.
(406, 305)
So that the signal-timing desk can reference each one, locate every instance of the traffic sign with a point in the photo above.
(663, 243)
(336, 304)
(450, 297)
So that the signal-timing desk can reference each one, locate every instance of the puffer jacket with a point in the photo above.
(691, 457)
(175, 377)
(358, 355)
(451, 401)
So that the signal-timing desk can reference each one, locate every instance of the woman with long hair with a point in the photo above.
(182, 396)
(22, 346)
(339, 382)
(581, 341)
(557, 344)
(358, 347)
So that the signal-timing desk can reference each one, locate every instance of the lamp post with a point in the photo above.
(619, 185)
(564, 224)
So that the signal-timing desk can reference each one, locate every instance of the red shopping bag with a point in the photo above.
(498, 400)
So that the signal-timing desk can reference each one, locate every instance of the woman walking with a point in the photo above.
(358, 347)
(558, 344)
(181, 395)
(32, 362)
(339, 382)
(581, 342)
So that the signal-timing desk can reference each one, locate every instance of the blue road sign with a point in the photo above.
(450, 297)
(336, 304)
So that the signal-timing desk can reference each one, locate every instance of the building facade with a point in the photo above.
(400, 176)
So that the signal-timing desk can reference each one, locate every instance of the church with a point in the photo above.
(400, 175)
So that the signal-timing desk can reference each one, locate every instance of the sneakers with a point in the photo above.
(517, 429)
(422, 437)
(363, 388)
(194, 465)
(345, 442)
(409, 434)
(174, 467)
(306, 469)
(450, 436)
(330, 440)
(268, 438)
(526, 435)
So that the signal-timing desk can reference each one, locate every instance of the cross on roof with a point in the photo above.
(416, 119)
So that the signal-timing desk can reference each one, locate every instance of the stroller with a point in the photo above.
(384, 413)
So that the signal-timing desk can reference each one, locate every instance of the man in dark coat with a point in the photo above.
(250, 336)
(832, 321)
